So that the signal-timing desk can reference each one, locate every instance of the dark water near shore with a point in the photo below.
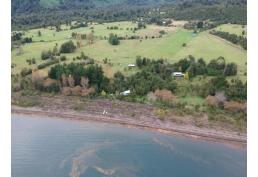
(43, 147)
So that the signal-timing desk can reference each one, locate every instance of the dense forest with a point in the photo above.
(35, 13)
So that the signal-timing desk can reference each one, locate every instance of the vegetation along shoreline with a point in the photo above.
(133, 114)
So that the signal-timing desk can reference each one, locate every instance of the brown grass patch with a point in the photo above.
(212, 101)
(165, 95)
(234, 106)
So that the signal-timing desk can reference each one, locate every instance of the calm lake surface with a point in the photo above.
(45, 147)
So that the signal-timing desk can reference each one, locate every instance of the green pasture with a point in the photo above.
(232, 29)
(210, 47)
(168, 47)
(99, 30)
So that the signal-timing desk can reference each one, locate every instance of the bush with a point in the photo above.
(162, 32)
(237, 90)
(218, 84)
(113, 39)
(212, 101)
(63, 58)
(67, 47)
(231, 69)
(26, 40)
(161, 113)
(46, 55)
(66, 91)
(87, 92)
(215, 68)
(234, 106)
(44, 65)
(165, 95)
(37, 76)
(51, 85)
(76, 91)
(25, 72)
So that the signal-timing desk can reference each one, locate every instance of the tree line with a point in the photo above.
(235, 39)
(215, 67)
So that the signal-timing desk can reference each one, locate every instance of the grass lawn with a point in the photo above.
(210, 47)
(168, 47)
(232, 29)
(192, 100)
(125, 28)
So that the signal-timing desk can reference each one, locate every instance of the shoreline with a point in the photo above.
(233, 140)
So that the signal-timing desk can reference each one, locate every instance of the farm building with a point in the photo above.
(131, 65)
(178, 74)
(126, 93)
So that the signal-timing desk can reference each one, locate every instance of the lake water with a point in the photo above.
(44, 147)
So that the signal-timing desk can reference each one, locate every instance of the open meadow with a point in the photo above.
(150, 44)
(233, 29)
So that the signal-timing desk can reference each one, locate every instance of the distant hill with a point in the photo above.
(26, 6)
(35, 13)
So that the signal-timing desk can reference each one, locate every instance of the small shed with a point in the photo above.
(126, 93)
(131, 65)
(178, 74)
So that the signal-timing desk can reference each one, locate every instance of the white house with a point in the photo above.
(126, 93)
(178, 74)
(131, 65)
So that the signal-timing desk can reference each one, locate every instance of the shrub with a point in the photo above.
(218, 84)
(25, 72)
(37, 76)
(63, 58)
(212, 101)
(86, 92)
(76, 91)
(237, 90)
(215, 68)
(66, 91)
(151, 96)
(50, 85)
(26, 83)
(162, 32)
(230, 70)
(44, 65)
(67, 47)
(161, 113)
(113, 39)
(165, 95)
(27, 40)
(46, 55)
(234, 106)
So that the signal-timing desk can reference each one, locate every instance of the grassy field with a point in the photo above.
(210, 47)
(232, 29)
(169, 46)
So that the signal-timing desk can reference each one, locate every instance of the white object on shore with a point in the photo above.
(126, 93)
(104, 112)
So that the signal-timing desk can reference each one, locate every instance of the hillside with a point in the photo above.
(186, 56)
(100, 3)
(27, 14)
(30, 5)
(169, 46)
